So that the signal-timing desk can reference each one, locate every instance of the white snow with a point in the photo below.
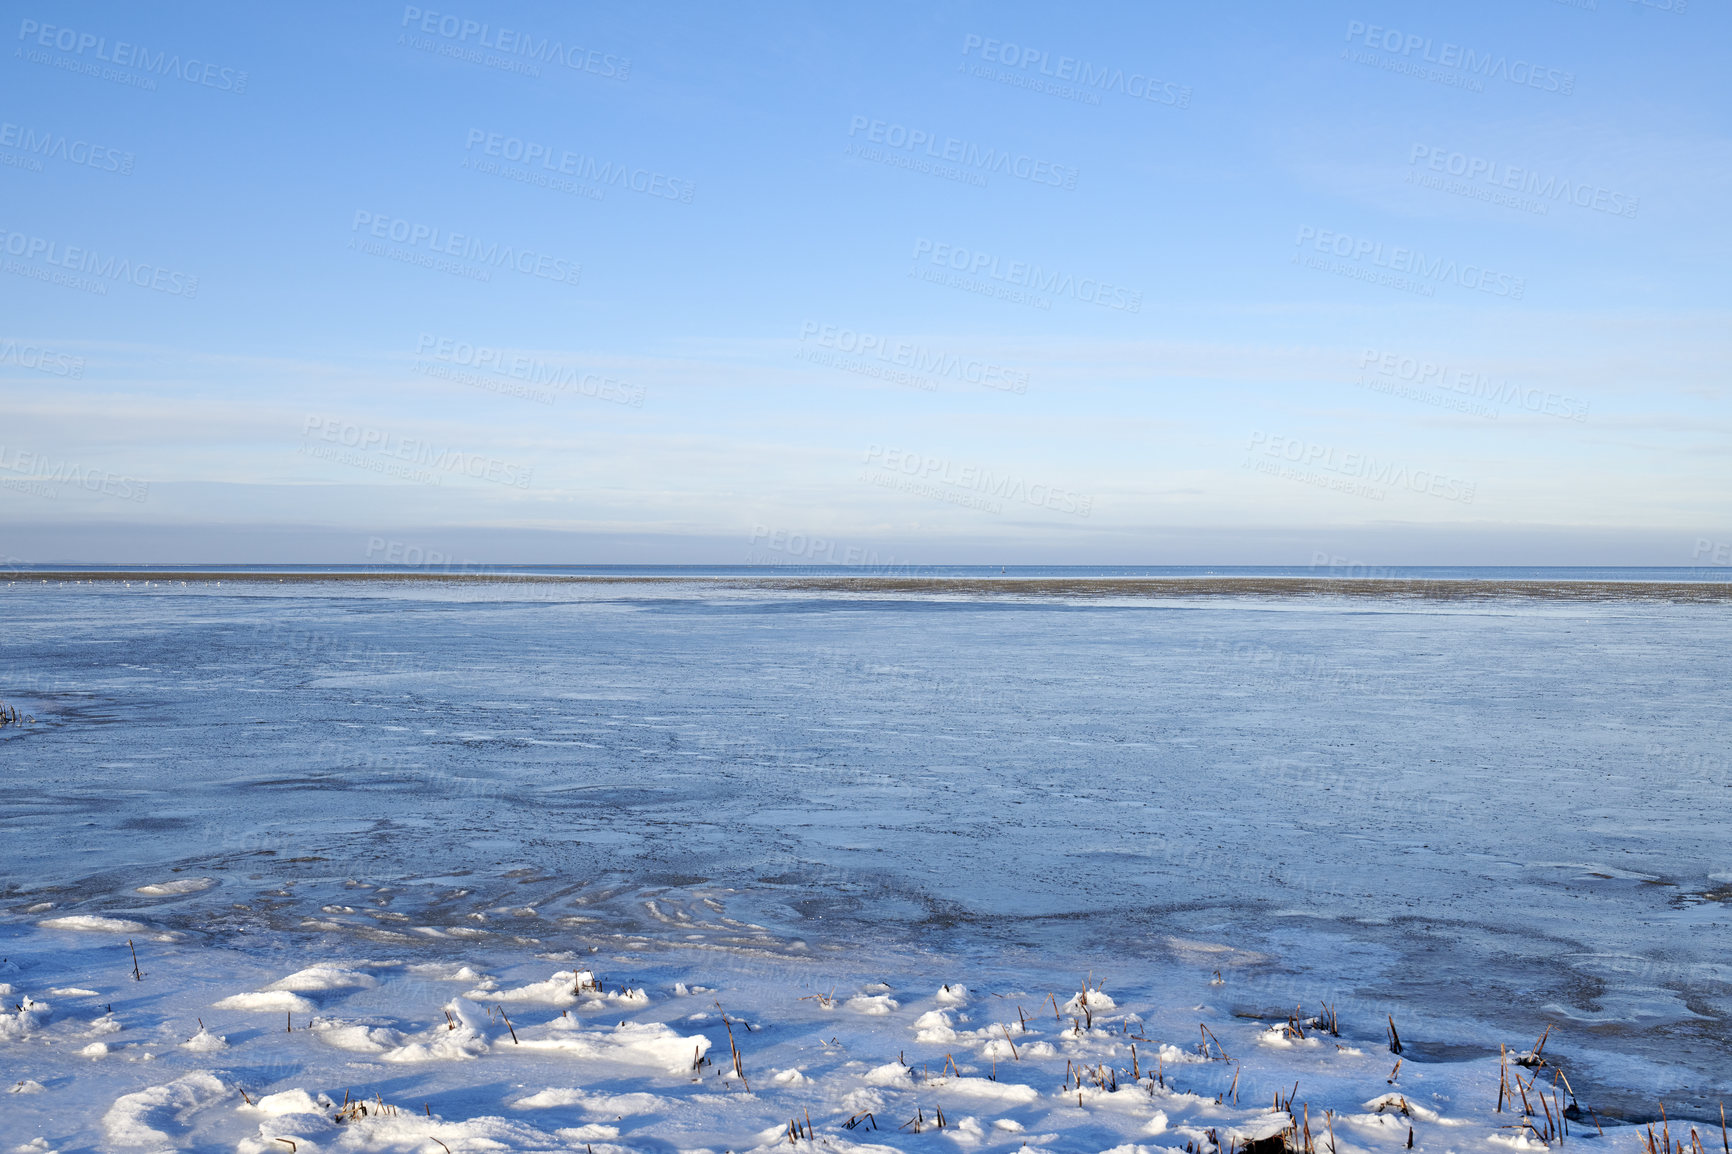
(889, 1074)
(1096, 1002)
(562, 989)
(176, 887)
(205, 1042)
(324, 977)
(933, 1028)
(634, 1043)
(26, 1016)
(452, 1073)
(263, 1001)
(94, 923)
(296, 1101)
(591, 1102)
(160, 1115)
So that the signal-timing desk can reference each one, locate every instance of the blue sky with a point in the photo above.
(1387, 282)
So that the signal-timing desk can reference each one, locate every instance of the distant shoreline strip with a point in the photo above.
(1425, 589)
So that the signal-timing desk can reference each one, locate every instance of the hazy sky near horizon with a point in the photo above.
(1128, 283)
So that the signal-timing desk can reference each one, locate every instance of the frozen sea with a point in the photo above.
(1479, 817)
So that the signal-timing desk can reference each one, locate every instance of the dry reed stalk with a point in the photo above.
(739, 1069)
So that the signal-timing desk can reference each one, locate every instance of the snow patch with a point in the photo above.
(176, 887)
(889, 1074)
(266, 1001)
(633, 1043)
(559, 990)
(933, 1027)
(159, 1115)
(205, 1042)
(608, 1105)
(357, 1039)
(29, 1016)
(324, 977)
(93, 923)
(873, 1004)
(1005, 1093)
(295, 1101)
(1097, 1002)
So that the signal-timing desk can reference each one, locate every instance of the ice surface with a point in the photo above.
(920, 814)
